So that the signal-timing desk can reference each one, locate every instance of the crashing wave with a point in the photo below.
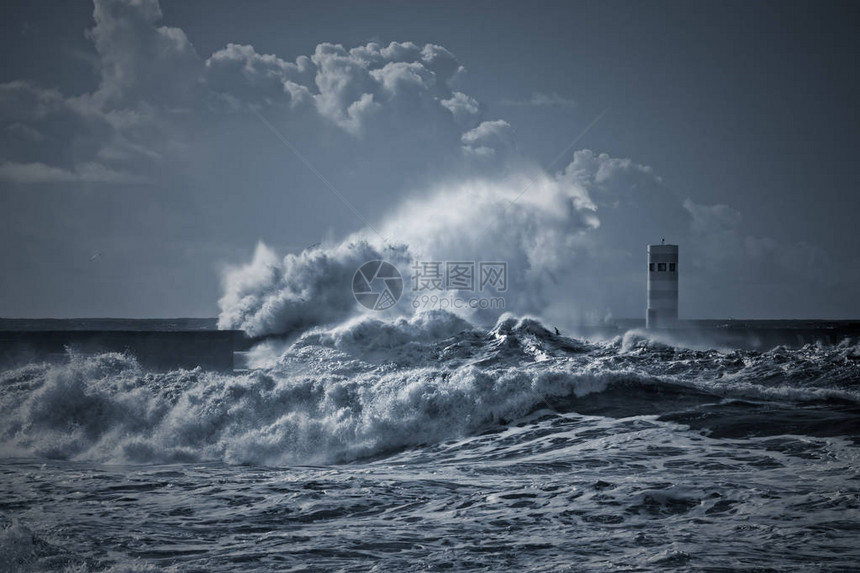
(369, 387)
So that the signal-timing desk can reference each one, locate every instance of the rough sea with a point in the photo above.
(432, 444)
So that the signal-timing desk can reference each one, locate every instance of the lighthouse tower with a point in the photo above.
(662, 286)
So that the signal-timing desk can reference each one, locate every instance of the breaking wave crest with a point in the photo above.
(368, 387)
(278, 295)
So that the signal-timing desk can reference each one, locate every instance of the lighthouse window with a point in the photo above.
(651, 267)
(671, 267)
(661, 267)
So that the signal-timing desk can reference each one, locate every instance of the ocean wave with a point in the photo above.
(368, 387)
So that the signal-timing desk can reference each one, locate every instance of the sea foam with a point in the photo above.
(369, 387)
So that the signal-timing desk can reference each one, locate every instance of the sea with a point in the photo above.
(432, 444)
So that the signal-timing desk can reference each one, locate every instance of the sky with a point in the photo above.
(188, 158)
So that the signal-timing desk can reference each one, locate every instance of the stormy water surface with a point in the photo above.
(429, 443)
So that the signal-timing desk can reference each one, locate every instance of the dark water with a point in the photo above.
(108, 324)
(430, 444)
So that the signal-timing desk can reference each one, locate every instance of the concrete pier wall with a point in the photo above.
(759, 335)
(154, 350)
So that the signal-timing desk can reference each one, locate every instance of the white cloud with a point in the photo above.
(25, 103)
(490, 139)
(155, 90)
(464, 108)
(352, 85)
(139, 60)
(247, 77)
(347, 87)
(601, 169)
(715, 220)
(83, 173)
(539, 99)
(397, 77)
(149, 76)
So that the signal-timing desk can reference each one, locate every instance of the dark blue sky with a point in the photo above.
(729, 127)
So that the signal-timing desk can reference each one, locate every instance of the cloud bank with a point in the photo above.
(424, 163)
(154, 87)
